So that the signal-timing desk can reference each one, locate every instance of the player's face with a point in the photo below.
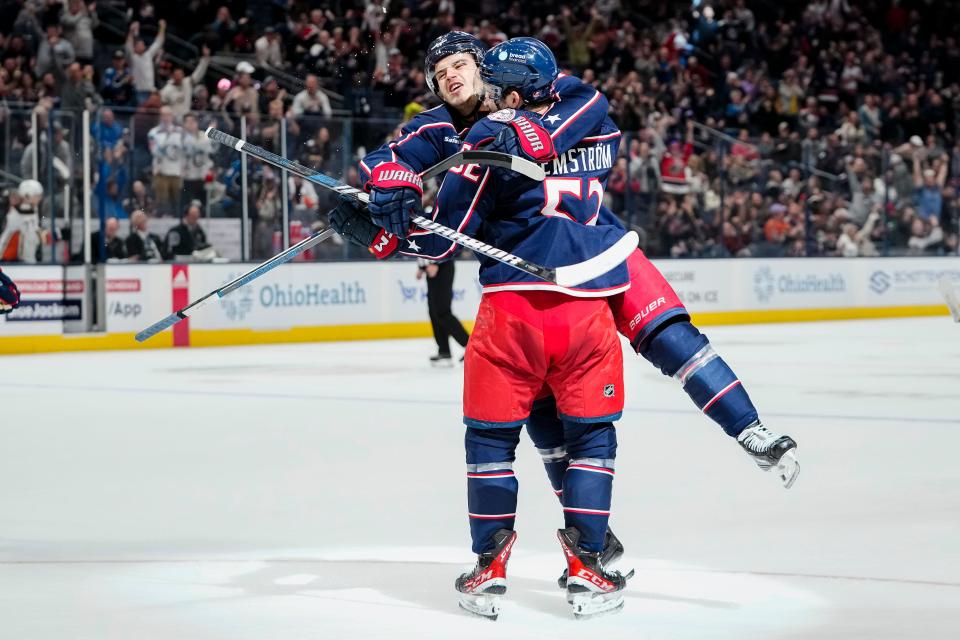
(458, 79)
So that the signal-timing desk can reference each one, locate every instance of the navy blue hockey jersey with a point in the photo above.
(530, 219)
(585, 139)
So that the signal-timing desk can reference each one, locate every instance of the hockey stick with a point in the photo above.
(565, 276)
(233, 285)
(950, 295)
(530, 169)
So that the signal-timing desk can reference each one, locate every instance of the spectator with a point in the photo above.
(78, 21)
(109, 245)
(854, 241)
(268, 217)
(272, 127)
(318, 151)
(303, 199)
(167, 148)
(242, 99)
(311, 101)
(141, 245)
(116, 87)
(106, 131)
(111, 182)
(197, 151)
(223, 28)
(269, 91)
(187, 237)
(54, 52)
(928, 184)
(79, 93)
(178, 92)
(139, 198)
(673, 167)
(926, 237)
(62, 154)
(143, 59)
(268, 50)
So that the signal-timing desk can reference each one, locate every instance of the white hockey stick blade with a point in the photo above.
(530, 169)
(574, 274)
(950, 296)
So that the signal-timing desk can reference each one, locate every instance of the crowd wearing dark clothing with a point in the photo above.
(823, 127)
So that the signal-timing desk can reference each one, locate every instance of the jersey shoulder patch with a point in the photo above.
(504, 115)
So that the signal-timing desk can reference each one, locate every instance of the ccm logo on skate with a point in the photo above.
(594, 579)
(646, 311)
(480, 579)
(506, 551)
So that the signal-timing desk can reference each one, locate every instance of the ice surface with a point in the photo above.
(318, 491)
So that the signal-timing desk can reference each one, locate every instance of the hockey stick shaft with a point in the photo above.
(361, 197)
(233, 285)
(520, 165)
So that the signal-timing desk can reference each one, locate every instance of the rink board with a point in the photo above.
(355, 301)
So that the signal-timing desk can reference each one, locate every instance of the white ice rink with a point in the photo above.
(318, 491)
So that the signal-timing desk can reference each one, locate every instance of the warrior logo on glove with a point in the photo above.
(396, 193)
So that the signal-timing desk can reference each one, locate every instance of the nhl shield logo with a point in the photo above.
(608, 391)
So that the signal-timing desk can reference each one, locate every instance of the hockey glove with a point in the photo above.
(9, 294)
(524, 138)
(353, 224)
(396, 192)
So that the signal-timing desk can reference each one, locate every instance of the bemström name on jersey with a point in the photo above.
(595, 157)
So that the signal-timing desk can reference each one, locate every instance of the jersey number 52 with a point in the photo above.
(583, 189)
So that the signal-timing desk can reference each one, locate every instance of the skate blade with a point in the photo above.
(788, 468)
(593, 605)
(442, 364)
(485, 605)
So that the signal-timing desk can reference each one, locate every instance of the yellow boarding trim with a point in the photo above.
(80, 342)
(758, 316)
(335, 333)
(228, 337)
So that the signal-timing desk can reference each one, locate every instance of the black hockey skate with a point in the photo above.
(770, 450)
(612, 551)
(441, 361)
(591, 589)
(482, 589)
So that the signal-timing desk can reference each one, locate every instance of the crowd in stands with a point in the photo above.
(752, 128)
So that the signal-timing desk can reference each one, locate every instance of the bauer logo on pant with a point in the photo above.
(608, 391)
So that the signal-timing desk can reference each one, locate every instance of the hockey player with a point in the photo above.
(452, 68)
(650, 314)
(9, 294)
(22, 235)
(532, 335)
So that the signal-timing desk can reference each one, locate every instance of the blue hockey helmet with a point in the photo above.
(524, 65)
(447, 45)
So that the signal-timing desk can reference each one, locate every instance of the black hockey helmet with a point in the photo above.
(447, 45)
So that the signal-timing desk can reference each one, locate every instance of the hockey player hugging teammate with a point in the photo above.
(533, 339)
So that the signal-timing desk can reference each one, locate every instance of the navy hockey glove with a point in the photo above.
(354, 225)
(396, 192)
(9, 294)
(524, 138)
